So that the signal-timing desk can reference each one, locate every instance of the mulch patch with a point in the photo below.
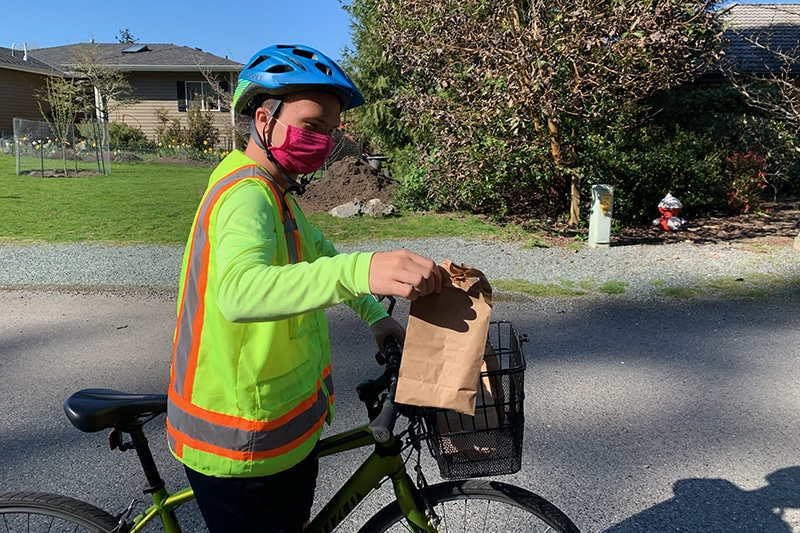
(778, 224)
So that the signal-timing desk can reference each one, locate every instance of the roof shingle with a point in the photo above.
(153, 57)
(22, 60)
(773, 26)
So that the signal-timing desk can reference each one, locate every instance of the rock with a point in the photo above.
(377, 209)
(374, 208)
(797, 242)
(352, 209)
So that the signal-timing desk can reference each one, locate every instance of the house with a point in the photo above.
(162, 76)
(21, 75)
(757, 35)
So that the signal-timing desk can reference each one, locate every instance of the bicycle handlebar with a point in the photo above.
(383, 424)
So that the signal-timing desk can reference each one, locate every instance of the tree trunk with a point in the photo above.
(557, 152)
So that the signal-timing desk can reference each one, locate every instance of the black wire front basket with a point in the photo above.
(489, 443)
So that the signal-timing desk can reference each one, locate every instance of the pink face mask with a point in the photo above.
(303, 151)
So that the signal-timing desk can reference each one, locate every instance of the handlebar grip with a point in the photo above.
(393, 352)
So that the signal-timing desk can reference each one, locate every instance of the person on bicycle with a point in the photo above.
(250, 385)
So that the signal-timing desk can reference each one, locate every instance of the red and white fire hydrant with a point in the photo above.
(669, 214)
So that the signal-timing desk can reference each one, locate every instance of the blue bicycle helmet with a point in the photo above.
(283, 69)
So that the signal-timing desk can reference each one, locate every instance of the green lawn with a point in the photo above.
(154, 203)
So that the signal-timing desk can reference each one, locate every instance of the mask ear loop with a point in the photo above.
(261, 141)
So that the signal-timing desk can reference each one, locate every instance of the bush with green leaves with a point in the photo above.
(645, 165)
(199, 134)
(746, 181)
(122, 136)
(691, 145)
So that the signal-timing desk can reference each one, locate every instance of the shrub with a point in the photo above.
(200, 134)
(703, 145)
(645, 165)
(121, 136)
(746, 180)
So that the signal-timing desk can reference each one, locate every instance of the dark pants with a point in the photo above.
(280, 503)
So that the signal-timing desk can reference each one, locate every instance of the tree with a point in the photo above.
(108, 84)
(763, 64)
(493, 85)
(377, 78)
(239, 129)
(125, 37)
(66, 98)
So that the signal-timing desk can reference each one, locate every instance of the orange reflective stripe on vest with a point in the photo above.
(237, 438)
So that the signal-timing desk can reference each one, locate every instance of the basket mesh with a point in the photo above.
(489, 443)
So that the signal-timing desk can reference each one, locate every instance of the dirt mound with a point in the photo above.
(346, 180)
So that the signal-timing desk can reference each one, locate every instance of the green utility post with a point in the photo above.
(600, 218)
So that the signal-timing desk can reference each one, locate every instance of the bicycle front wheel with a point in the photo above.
(27, 512)
(480, 507)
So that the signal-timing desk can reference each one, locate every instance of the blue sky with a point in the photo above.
(210, 25)
(214, 26)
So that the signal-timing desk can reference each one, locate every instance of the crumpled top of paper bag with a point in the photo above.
(466, 278)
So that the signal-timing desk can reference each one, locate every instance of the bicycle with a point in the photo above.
(464, 447)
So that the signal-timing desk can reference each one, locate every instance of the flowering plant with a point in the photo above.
(746, 180)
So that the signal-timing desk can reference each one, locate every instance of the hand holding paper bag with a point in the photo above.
(445, 342)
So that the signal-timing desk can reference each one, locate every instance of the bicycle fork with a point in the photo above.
(409, 498)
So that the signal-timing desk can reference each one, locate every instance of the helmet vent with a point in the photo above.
(257, 61)
(325, 69)
(308, 54)
(299, 65)
(279, 69)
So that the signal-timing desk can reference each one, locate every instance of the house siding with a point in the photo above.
(18, 90)
(159, 90)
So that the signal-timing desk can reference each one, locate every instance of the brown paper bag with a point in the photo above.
(445, 342)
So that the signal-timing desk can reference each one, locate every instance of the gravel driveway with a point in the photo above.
(644, 412)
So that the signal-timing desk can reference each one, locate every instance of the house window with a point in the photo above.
(201, 93)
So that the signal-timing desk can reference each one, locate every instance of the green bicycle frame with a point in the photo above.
(384, 462)
(164, 505)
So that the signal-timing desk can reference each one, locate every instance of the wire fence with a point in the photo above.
(41, 151)
(344, 145)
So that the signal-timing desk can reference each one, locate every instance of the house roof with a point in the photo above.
(22, 60)
(140, 57)
(774, 26)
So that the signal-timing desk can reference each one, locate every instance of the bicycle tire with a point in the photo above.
(40, 511)
(480, 507)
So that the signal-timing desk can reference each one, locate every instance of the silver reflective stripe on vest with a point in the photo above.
(243, 440)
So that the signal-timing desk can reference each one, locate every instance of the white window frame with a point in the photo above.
(202, 93)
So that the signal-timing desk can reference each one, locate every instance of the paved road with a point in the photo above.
(641, 417)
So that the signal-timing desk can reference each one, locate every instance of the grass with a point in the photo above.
(754, 285)
(137, 203)
(155, 204)
(563, 289)
(406, 226)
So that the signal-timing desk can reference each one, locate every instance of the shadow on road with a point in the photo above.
(719, 505)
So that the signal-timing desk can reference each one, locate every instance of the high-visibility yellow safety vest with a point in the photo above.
(250, 385)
